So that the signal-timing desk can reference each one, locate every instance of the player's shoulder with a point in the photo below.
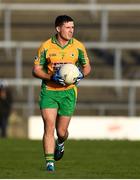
(78, 43)
(46, 43)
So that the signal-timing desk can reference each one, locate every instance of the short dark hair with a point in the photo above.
(62, 19)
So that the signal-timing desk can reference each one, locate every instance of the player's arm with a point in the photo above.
(39, 67)
(38, 72)
(84, 64)
(83, 72)
(83, 60)
(86, 69)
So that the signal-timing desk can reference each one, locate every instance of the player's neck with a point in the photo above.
(62, 41)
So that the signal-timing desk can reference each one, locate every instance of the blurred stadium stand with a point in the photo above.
(112, 37)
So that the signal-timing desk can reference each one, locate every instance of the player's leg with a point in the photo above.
(48, 106)
(49, 119)
(62, 124)
(66, 110)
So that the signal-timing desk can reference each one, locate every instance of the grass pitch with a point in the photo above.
(82, 159)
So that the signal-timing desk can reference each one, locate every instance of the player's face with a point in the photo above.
(66, 30)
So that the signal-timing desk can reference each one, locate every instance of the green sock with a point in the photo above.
(49, 157)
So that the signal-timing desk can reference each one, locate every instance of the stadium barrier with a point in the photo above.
(132, 106)
(104, 9)
(118, 48)
(92, 128)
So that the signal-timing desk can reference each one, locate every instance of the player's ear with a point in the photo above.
(58, 29)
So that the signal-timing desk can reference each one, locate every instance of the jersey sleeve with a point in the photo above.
(82, 56)
(40, 59)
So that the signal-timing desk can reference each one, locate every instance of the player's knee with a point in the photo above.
(49, 129)
(62, 133)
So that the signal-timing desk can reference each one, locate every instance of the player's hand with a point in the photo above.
(57, 78)
(79, 78)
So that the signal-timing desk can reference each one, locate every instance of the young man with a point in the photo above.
(58, 100)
